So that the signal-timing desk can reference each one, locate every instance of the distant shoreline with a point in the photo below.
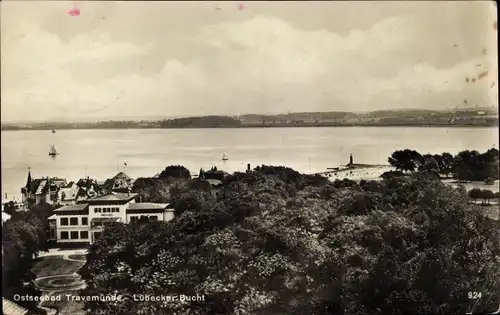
(17, 128)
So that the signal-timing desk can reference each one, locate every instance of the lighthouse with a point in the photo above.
(350, 160)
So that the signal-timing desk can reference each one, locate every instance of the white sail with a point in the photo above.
(53, 151)
(224, 157)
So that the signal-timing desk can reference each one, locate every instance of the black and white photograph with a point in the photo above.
(249, 157)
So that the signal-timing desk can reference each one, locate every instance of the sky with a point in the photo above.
(162, 59)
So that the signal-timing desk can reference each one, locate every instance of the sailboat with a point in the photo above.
(53, 151)
(224, 157)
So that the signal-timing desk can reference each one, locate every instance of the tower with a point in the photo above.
(28, 182)
(350, 160)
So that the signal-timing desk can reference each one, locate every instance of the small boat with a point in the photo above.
(53, 131)
(53, 151)
(224, 157)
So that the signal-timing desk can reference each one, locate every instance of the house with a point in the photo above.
(68, 195)
(41, 190)
(11, 308)
(213, 173)
(121, 182)
(84, 221)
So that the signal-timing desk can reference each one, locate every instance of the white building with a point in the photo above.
(83, 222)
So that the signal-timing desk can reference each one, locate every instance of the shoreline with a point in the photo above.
(255, 126)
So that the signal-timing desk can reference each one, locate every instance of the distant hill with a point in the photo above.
(477, 116)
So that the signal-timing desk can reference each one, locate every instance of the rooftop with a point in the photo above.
(5, 216)
(113, 197)
(76, 207)
(213, 182)
(148, 206)
(11, 308)
(122, 175)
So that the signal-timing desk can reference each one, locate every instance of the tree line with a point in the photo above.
(23, 237)
(274, 241)
(205, 121)
(464, 166)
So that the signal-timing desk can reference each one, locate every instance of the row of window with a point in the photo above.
(74, 221)
(85, 221)
(135, 219)
(65, 235)
(107, 210)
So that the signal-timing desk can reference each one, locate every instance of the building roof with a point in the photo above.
(5, 216)
(148, 206)
(33, 185)
(120, 198)
(75, 207)
(11, 308)
(42, 187)
(122, 176)
(52, 217)
(68, 193)
(213, 182)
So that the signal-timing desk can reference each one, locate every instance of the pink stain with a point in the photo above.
(241, 6)
(74, 12)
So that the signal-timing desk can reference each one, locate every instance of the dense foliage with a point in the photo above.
(278, 242)
(484, 194)
(10, 207)
(466, 165)
(175, 171)
(23, 236)
(205, 121)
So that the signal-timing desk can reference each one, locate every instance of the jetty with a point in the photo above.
(351, 166)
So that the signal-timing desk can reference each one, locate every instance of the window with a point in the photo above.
(117, 209)
(64, 235)
(85, 221)
(97, 235)
(97, 210)
(133, 219)
(84, 234)
(73, 221)
(153, 218)
(74, 235)
(64, 221)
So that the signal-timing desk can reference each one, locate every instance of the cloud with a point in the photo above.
(261, 64)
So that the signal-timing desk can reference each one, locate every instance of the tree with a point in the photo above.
(487, 195)
(406, 160)
(475, 194)
(277, 242)
(445, 161)
(429, 165)
(10, 208)
(175, 171)
(23, 236)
